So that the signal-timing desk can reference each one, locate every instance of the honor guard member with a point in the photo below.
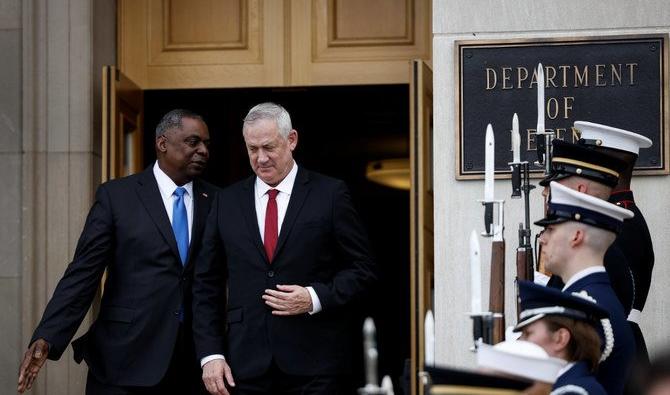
(565, 326)
(596, 174)
(579, 229)
(634, 240)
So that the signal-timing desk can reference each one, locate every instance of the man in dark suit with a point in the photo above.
(579, 228)
(145, 230)
(565, 325)
(291, 249)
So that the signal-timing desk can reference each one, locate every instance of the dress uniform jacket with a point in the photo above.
(620, 275)
(614, 370)
(635, 242)
(577, 380)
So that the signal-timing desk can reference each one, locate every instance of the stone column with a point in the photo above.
(65, 43)
(10, 198)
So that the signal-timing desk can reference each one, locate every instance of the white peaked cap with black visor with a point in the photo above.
(520, 358)
(566, 204)
(609, 137)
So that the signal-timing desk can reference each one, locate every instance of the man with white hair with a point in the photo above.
(294, 255)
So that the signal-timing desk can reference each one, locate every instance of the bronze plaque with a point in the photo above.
(618, 81)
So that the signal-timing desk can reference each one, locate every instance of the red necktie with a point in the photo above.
(270, 237)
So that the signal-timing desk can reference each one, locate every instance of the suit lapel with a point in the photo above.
(150, 197)
(300, 191)
(248, 202)
(201, 204)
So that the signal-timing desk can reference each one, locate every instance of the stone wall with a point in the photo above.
(10, 198)
(456, 209)
(50, 87)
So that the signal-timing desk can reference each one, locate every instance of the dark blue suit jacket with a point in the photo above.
(578, 381)
(613, 372)
(127, 232)
(321, 244)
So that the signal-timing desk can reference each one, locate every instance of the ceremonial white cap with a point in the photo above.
(609, 137)
(520, 358)
(566, 204)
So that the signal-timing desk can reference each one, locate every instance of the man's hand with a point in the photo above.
(213, 374)
(288, 300)
(32, 362)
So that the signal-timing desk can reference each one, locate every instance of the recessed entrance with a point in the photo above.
(341, 129)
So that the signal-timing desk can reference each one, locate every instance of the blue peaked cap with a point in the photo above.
(537, 301)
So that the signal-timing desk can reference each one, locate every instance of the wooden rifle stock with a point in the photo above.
(521, 260)
(497, 291)
(524, 270)
(524, 264)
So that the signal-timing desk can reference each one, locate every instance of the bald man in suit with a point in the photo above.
(143, 229)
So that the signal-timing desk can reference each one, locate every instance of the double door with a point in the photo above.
(172, 44)
(123, 107)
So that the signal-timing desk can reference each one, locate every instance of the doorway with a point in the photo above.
(340, 130)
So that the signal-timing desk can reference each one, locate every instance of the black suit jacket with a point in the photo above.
(128, 232)
(635, 242)
(321, 244)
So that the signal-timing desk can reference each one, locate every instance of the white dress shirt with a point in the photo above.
(167, 187)
(285, 187)
(583, 273)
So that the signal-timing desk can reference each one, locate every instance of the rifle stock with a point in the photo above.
(524, 269)
(524, 264)
(521, 274)
(497, 291)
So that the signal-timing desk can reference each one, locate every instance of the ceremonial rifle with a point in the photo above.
(543, 137)
(521, 183)
(482, 321)
(371, 356)
(494, 228)
(544, 151)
